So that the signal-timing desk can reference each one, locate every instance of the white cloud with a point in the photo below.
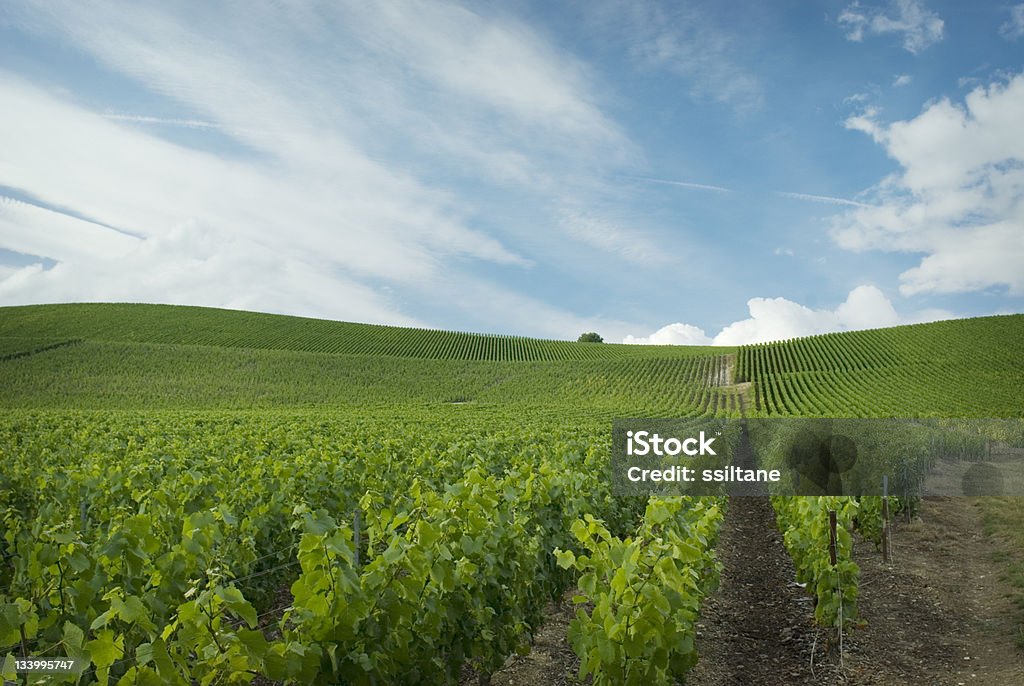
(201, 265)
(1013, 28)
(902, 80)
(919, 26)
(164, 121)
(7, 271)
(501, 64)
(788, 252)
(365, 217)
(866, 307)
(32, 230)
(865, 121)
(673, 334)
(972, 260)
(775, 319)
(959, 197)
(329, 152)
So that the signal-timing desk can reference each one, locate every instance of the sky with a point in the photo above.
(681, 172)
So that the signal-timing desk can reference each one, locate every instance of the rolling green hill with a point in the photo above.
(165, 472)
(106, 356)
(182, 325)
(968, 367)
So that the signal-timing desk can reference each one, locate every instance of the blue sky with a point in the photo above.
(684, 172)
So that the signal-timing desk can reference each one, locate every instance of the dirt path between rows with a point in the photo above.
(938, 614)
(757, 628)
(551, 660)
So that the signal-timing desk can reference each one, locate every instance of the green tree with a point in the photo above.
(589, 337)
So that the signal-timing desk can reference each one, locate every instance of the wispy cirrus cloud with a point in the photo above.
(918, 26)
(359, 119)
(613, 235)
(685, 184)
(163, 121)
(681, 39)
(826, 199)
(32, 230)
(1013, 28)
(192, 124)
(177, 184)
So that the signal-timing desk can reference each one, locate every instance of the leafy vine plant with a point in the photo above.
(639, 597)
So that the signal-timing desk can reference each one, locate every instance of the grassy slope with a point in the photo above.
(966, 367)
(162, 357)
(175, 324)
(168, 357)
(155, 376)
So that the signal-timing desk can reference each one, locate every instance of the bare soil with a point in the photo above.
(758, 627)
(938, 614)
(551, 660)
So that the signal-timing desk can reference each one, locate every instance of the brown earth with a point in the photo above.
(758, 627)
(938, 614)
(551, 660)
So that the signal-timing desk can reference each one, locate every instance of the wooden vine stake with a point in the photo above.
(833, 558)
(886, 531)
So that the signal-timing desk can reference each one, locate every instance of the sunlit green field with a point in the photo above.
(181, 488)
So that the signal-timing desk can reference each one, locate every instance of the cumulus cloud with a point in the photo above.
(673, 334)
(919, 26)
(959, 197)
(1013, 28)
(774, 319)
(902, 80)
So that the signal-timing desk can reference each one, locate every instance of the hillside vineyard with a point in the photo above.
(191, 495)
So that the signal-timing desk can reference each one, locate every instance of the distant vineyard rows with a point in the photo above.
(180, 325)
(967, 368)
(106, 375)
